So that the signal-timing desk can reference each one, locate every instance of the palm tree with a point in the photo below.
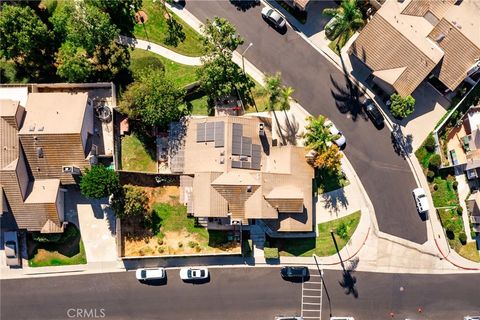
(348, 18)
(273, 86)
(317, 136)
(285, 94)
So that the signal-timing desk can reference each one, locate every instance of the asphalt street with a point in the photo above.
(322, 89)
(239, 293)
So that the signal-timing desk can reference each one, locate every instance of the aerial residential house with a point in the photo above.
(473, 207)
(408, 42)
(47, 138)
(233, 173)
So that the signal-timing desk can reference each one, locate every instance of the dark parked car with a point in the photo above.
(374, 113)
(294, 272)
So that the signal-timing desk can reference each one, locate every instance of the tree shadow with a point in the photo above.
(289, 130)
(348, 282)
(335, 200)
(402, 145)
(244, 5)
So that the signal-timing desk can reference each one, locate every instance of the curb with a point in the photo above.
(453, 263)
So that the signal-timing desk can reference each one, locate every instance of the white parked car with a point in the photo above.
(421, 200)
(195, 273)
(274, 17)
(150, 274)
(341, 140)
(342, 318)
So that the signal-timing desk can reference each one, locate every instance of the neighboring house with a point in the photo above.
(408, 41)
(46, 134)
(234, 173)
(473, 207)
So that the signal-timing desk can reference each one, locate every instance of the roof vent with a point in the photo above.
(32, 127)
(440, 37)
(249, 188)
(41, 128)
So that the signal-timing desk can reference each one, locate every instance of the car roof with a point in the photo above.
(276, 16)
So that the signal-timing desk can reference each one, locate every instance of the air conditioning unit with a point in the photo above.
(71, 170)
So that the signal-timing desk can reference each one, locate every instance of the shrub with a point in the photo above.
(430, 175)
(180, 245)
(429, 143)
(99, 182)
(450, 232)
(401, 107)
(161, 249)
(342, 231)
(192, 244)
(71, 232)
(459, 210)
(435, 162)
(455, 185)
(46, 237)
(435, 187)
(462, 237)
(270, 253)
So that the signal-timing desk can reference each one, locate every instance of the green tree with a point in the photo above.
(130, 201)
(154, 99)
(342, 230)
(317, 136)
(26, 40)
(285, 96)
(109, 61)
(348, 19)
(99, 182)
(401, 107)
(329, 160)
(73, 63)
(121, 12)
(219, 75)
(175, 33)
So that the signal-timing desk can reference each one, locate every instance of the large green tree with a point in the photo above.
(348, 19)
(121, 12)
(317, 136)
(130, 201)
(154, 99)
(219, 75)
(26, 40)
(91, 38)
(99, 182)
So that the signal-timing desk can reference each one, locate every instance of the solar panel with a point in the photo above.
(236, 164)
(256, 156)
(219, 134)
(236, 147)
(210, 131)
(246, 146)
(201, 132)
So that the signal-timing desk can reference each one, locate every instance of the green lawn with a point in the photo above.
(199, 106)
(69, 250)
(156, 30)
(451, 220)
(323, 244)
(145, 60)
(327, 182)
(136, 156)
(445, 195)
(173, 218)
(333, 44)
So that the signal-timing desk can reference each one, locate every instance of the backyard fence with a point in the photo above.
(145, 179)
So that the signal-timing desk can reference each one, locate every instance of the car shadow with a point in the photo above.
(155, 282)
(199, 281)
(297, 279)
(282, 31)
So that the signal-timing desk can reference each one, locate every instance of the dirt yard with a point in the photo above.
(172, 231)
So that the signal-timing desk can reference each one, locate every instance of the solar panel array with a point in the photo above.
(256, 156)
(211, 132)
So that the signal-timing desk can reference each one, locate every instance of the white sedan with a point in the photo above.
(195, 273)
(421, 200)
(340, 138)
(150, 274)
(274, 17)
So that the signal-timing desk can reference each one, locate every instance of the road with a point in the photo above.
(237, 293)
(322, 89)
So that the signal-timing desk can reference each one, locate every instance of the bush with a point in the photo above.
(99, 182)
(71, 233)
(430, 175)
(270, 253)
(429, 143)
(450, 232)
(455, 185)
(435, 162)
(180, 245)
(46, 237)
(459, 210)
(435, 187)
(401, 107)
(342, 231)
(192, 244)
(462, 237)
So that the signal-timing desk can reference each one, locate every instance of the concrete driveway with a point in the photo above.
(96, 223)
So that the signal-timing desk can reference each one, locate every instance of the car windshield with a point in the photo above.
(189, 273)
(143, 273)
(202, 273)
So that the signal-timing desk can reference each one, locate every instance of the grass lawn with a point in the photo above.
(145, 60)
(323, 244)
(451, 220)
(423, 156)
(69, 250)
(136, 156)
(333, 44)
(445, 195)
(199, 106)
(156, 29)
(327, 182)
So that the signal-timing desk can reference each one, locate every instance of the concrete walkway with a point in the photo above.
(160, 50)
